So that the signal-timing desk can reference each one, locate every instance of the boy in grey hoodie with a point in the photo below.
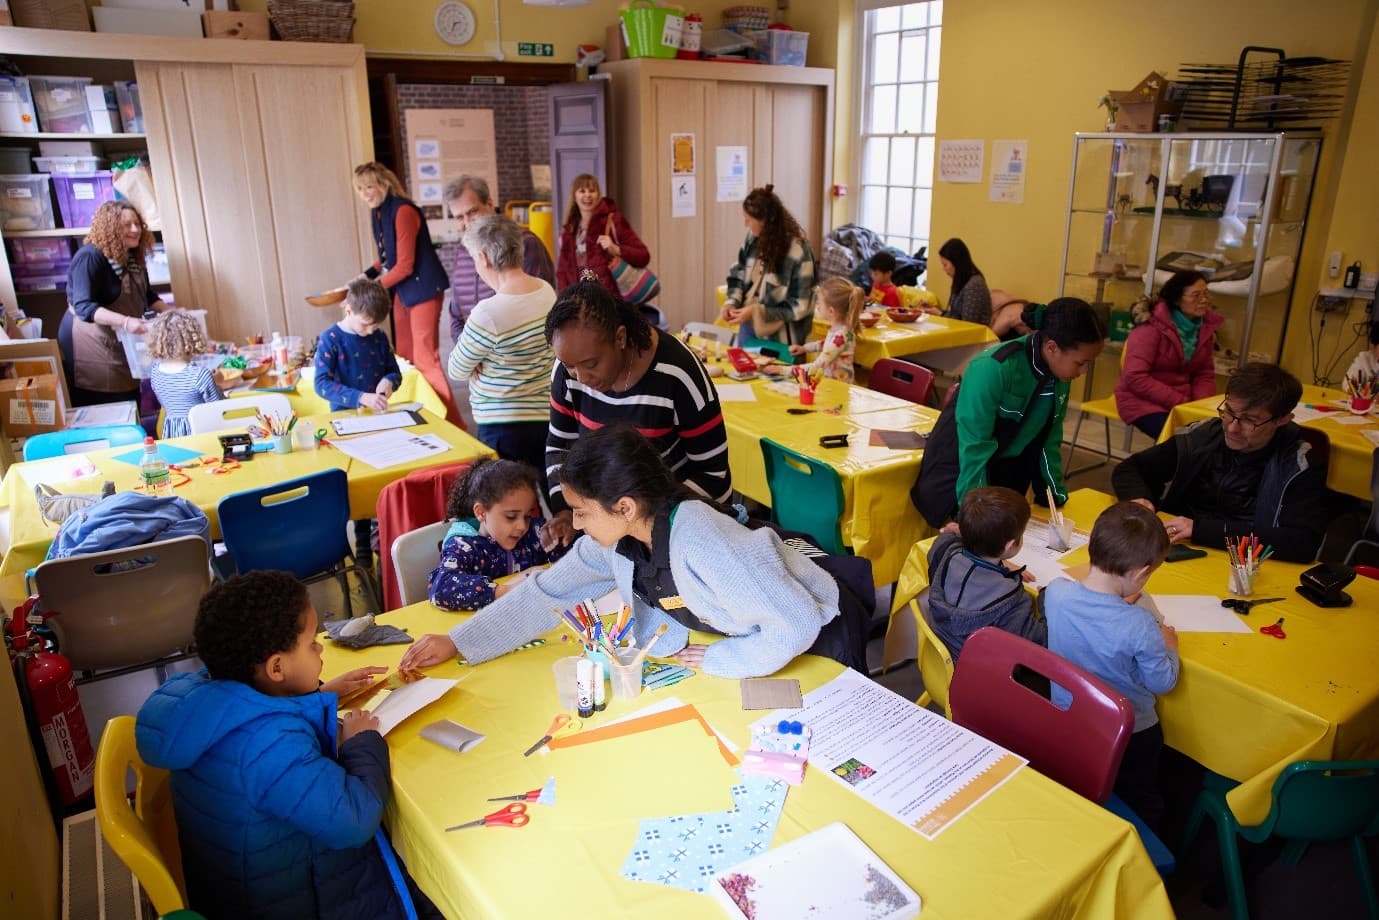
(969, 583)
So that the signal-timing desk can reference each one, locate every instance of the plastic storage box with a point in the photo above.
(28, 285)
(136, 346)
(131, 111)
(17, 106)
(25, 203)
(61, 104)
(43, 249)
(781, 46)
(69, 166)
(78, 197)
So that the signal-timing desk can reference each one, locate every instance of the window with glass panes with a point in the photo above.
(899, 111)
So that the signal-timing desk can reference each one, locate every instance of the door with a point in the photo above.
(578, 140)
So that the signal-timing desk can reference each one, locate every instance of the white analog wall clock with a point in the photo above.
(455, 22)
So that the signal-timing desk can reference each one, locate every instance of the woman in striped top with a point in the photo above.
(614, 368)
(503, 351)
(175, 338)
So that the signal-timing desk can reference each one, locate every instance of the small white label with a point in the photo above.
(83, 191)
(19, 191)
(63, 95)
(33, 412)
(8, 95)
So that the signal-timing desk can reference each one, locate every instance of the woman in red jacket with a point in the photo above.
(1169, 360)
(595, 233)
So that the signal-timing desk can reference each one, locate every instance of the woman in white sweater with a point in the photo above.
(680, 561)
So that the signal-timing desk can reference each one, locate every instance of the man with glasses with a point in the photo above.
(1247, 471)
(468, 199)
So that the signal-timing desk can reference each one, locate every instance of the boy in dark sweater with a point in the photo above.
(969, 583)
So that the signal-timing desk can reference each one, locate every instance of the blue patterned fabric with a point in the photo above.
(470, 563)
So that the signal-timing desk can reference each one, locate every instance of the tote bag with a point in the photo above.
(636, 285)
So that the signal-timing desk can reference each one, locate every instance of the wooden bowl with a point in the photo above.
(870, 318)
(253, 370)
(901, 315)
(327, 298)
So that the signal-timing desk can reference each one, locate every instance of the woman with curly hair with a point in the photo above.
(411, 271)
(770, 289)
(107, 289)
(175, 338)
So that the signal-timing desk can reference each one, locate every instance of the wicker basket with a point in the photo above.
(312, 20)
(51, 14)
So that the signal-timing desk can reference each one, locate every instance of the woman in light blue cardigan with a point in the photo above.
(680, 561)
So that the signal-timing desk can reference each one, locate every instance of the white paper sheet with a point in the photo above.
(390, 448)
(1305, 414)
(363, 424)
(665, 705)
(735, 392)
(916, 766)
(58, 470)
(1371, 436)
(119, 413)
(408, 700)
(1194, 613)
(1354, 419)
(1036, 555)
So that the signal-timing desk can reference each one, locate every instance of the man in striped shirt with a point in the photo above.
(614, 368)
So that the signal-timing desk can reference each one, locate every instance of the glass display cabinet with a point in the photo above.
(1232, 206)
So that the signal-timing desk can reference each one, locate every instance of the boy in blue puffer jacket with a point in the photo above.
(274, 819)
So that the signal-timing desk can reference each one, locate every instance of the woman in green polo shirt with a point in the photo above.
(1005, 425)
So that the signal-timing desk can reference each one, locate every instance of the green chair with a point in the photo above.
(1313, 801)
(806, 495)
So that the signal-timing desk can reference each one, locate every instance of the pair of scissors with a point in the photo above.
(561, 726)
(1244, 607)
(514, 815)
(321, 438)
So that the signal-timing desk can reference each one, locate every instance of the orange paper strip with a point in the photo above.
(644, 724)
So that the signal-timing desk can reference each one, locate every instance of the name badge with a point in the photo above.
(675, 602)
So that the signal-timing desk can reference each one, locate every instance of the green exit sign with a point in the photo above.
(535, 49)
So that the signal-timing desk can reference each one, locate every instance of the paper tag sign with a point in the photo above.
(19, 191)
(33, 412)
(83, 191)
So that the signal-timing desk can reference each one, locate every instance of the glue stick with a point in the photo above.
(600, 687)
(584, 687)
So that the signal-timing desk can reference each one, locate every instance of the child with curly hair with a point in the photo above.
(496, 532)
(174, 339)
(278, 807)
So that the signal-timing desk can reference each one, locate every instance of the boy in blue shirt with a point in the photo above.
(355, 365)
(276, 818)
(1097, 626)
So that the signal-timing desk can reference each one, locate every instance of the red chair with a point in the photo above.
(903, 379)
(1080, 747)
(413, 501)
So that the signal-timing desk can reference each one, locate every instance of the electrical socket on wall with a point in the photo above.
(1333, 265)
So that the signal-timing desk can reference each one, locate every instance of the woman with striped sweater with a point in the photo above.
(503, 351)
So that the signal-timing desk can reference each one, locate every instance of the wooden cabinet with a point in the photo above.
(252, 146)
(783, 116)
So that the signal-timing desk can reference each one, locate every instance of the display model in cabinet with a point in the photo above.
(1231, 206)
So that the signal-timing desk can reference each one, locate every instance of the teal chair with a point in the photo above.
(806, 495)
(1313, 801)
(97, 437)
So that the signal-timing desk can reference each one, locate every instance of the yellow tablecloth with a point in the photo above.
(1054, 853)
(895, 340)
(1352, 454)
(879, 523)
(31, 535)
(1246, 706)
(414, 388)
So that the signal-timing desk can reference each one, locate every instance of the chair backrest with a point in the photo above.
(415, 555)
(143, 836)
(298, 525)
(417, 499)
(902, 379)
(1321, 446)
(935, 661)
(76, 440)
(806, 495)
(125, 607)
(950, 395)
(236, 412)
(1325, 800)
(1080, 747)
(710, 332)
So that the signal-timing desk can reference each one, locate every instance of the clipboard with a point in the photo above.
(367, 424)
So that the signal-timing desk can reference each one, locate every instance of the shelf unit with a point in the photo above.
(1122, 225)
(64, 136)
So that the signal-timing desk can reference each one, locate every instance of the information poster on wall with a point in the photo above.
(683, 189)
(732, 174)
(443, 144)
(1008, 162)
(960, 161)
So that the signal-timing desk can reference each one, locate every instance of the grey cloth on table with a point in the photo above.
(372, 635)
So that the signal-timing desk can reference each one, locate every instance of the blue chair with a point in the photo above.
(1313, 801)
(297, 526)
(806, 495)
(97, 437)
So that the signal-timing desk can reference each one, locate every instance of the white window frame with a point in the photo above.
(861, 113)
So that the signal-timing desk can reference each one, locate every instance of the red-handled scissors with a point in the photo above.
(514, 815)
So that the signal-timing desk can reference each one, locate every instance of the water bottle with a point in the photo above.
(279, 347)
(153, 471)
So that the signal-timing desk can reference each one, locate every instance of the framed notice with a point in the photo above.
(443, 144)
(960, 161)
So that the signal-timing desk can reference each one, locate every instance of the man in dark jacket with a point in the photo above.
(1250, 471)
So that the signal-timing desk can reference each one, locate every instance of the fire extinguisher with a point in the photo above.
(51, 702)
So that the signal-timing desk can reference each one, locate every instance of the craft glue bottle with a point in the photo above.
(584, 687)
(279, 354)
(600, 686)
(153, 471)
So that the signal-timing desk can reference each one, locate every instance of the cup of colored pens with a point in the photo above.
(1362, 388)
(1245, 555)
(808, 381)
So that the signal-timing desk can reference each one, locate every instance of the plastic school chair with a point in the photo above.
(709, 332)
(1312, 802)
(806, 495)
(1107, 410)
(144, 836)
(902, 380)
(935, 661)
(216, 416)
(415, 556)
(299, 526)
(97, 437)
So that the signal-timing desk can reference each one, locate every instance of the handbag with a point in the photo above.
(635, 285)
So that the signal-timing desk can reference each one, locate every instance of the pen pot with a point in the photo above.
(1061, 535)
(806, 396)
(282, 443)
(303, 438)
(1241, 581)
(566, 690)
(626, 674)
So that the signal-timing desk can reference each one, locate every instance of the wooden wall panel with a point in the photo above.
(732, 123)
(799, 136)
(678, 254)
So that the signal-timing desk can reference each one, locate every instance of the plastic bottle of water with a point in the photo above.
(153, 471)
(279, 348)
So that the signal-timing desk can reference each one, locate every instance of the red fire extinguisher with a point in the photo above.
(50, 697)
